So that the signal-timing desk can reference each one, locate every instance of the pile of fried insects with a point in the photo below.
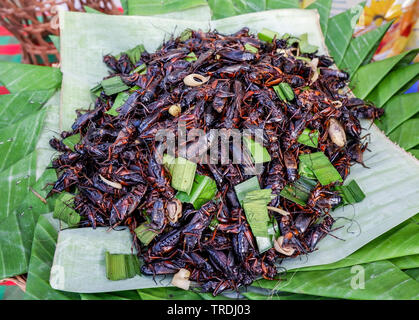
(213, 225)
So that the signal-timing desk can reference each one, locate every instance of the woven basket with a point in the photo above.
(32, 21)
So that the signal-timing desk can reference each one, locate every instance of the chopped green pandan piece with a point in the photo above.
(309, 138)
(299, 191)
(134, 88)
(141, 69)
(304, 170)
(169, 162)
(63, 210)
(287, 91)
(248, 47)
(120, 99)
(291, 40)
(255, 208)
(134, 54)
(132, 265)
(91, 10)
(182, 171)
(191, 57)
(71, 141)
(185, 35)
(246, 186)
(351, 193)
(113, 85)
(305, 47)
(303, 59)
(203, 190)
(284, 91)
(257, 216)
(279, 93)
(214, 223)
(144, 234)
(259, 153)
(268, 35)
(324, 171)
(115, 267)
(261, 194)
(265, 243)
(121, 266)
(96, 90)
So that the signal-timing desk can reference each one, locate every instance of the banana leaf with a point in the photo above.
(149, 8)
(413, 273)
(392, 83)
(91, 10)
(415, 152)
(19, 77)
(40, 267)
(400, 241)
(13, 293)
(407, 262)
(16, 106)
(397, 110)
(20, 224)
(170, 293)
(51, 127)
(121, 295)
(43, 247)
(15, 181)
(269, 295)
(339, 32)
(20, 207)
(323, 7)
(14, 259)
(228, 8)
(173, 293)
(360, 47)
(173, 9)
(20, 139)
(80, 255)
(407, 134)
(383, 281)
(368, 76)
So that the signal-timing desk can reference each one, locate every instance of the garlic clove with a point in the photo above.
(181, 279)
(337, 133)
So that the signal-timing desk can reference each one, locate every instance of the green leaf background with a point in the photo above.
(28, 121)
